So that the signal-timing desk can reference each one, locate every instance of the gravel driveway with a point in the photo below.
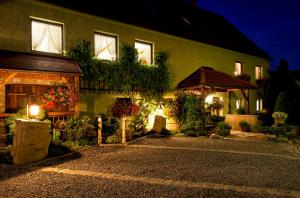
(163, 167)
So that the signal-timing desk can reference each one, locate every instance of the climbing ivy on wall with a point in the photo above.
(126, 75)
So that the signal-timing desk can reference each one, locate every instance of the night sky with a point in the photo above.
(274, 25)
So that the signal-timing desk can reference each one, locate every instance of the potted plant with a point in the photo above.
(279, 117)
(245, 126)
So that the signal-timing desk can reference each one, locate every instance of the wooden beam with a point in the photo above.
(7, 79)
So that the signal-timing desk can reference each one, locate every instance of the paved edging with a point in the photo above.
(175, 183)
(215, 150)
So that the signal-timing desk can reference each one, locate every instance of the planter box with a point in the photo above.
(234, 119)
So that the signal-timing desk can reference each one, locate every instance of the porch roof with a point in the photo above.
(21, 61)
(208, 77)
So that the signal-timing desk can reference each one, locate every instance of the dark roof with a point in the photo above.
(175, 17)
(12, 60)
(208, 77)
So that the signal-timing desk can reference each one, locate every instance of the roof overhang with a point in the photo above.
(206, 77)
(30, 62)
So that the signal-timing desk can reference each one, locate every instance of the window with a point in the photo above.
(105, 46)
(238, 68)
(259, 105)
(46, 37)
(258, 72)
(144, 51)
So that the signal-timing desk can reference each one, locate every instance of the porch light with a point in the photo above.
(34, 110)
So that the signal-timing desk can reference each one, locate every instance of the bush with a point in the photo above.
(214, 119)
(245, 126)
(72, 146)
(222, 129)
(195, 133)
(55, 136)
(279, 139)
(84, 141)
(113, 139)
(241, 111)
(165, 132)
(5, 157)
(57, 150)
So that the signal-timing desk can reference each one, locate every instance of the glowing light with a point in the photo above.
(237, 104)
(34, 110)
(209, 99)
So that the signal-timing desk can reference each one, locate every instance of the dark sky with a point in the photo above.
(274, 25)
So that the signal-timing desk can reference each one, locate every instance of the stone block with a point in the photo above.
(31, 141)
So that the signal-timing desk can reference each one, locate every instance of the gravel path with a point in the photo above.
(179, 169)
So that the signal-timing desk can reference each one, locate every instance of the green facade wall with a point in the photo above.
(185, 56)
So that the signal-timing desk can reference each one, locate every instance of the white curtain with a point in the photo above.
(105, 47)
(144, 51)
(55, 35)
(38, 31)
(46, 37)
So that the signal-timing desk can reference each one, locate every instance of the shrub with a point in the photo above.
(84, 141)
(165, 132)
(279, 117)
(72, 146)
(113, 139)
(222, 129)
(214, 119)
(245, 126)
(241, 111)
(55, 136)
(5, 156)
(195, 133)
(94, 141)
(57, 150)
(74, 128)
(279, 139)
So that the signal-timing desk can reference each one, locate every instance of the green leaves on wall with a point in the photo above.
(122, 76)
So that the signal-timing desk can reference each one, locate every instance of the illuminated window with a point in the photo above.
(105, 46)
(238, 104)
(46, 37)
(258, 73)
(259, 105)
(238, 68)
(145, 52)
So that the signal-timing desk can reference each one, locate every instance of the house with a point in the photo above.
(35, 35)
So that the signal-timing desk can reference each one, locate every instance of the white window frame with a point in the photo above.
(238, 72)
(260, 69)
(151, 44)
(47, 22)
(106, 34)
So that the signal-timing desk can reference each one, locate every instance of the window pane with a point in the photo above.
(46, 37)
(259, 105)
(145, 52)
(258, 72)
(105, 47)
(238, 68)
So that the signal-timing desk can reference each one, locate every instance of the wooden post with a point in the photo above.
(99, 130)
(77, 92)
(123, 129)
